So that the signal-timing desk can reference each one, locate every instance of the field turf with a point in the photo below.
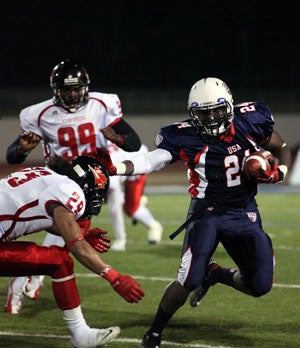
(226, 318)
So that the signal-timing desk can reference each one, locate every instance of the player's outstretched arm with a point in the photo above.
(144, 163)
(66, 224)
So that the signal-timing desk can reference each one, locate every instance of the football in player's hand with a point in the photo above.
(257, 163)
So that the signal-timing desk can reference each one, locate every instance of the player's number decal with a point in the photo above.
(232, 171)
(73, 140)
(232, 166)
(246, 107)
(74, 203)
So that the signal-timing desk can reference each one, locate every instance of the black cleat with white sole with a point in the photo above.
(197, 295)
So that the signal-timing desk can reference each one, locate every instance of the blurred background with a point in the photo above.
(150, 53)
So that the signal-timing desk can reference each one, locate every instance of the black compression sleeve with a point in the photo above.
(13, 156)
(132, 141)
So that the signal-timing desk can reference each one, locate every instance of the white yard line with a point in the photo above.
(124, 340)
(135, 340)
(166, 279)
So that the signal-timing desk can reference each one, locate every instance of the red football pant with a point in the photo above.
(133, 192)
(27, 258)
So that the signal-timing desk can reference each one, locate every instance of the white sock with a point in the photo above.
(75, 321)
(143, 215)
(115, 205)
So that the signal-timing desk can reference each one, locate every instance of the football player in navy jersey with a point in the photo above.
(213, 143)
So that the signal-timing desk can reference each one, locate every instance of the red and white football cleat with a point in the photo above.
(32, 286)
(14, 295)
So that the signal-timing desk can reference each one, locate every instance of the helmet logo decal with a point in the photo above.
(194, 104)
(80, 172)
(71, 81)
(100, 178)
(221, 100)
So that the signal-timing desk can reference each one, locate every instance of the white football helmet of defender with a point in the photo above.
(210, 105)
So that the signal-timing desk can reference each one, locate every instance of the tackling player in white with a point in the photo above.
(53, 198)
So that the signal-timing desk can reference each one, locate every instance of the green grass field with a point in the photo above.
(226, 318)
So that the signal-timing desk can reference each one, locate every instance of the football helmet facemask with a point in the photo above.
(93, 178)
(69, 82)
(210, 105)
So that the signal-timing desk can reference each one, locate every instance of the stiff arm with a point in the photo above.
(145, 163)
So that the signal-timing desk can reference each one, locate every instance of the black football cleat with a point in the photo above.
(197, 295)
(151, 340)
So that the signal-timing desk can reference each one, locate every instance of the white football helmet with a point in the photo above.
(211, 106)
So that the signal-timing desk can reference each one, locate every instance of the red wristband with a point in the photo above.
(73, 241)
(109, 274)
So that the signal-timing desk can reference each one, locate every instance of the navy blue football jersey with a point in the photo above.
(214, 163)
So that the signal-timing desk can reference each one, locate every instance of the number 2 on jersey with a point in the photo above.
(232, 168)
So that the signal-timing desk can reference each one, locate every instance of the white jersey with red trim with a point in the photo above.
(72, 134)
(26, 197)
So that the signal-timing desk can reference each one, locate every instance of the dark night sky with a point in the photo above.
(152, 44)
